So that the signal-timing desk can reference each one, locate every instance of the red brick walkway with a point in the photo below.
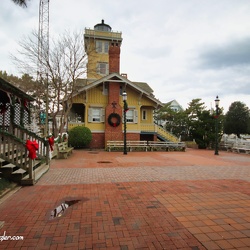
(143, 200)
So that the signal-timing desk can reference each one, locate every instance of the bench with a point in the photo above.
(63, 151)
(226, 146)
(154, 145)
(137, 144)
(241, 147)
(130, 145)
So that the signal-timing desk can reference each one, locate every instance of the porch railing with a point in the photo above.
(13, 146)
(160, 131)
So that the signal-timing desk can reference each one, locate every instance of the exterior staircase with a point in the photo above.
(161, 133)
(164, 135)
(15, 164)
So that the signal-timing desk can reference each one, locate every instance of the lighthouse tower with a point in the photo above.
(102, 46)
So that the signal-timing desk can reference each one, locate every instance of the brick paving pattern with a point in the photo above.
(143, 200)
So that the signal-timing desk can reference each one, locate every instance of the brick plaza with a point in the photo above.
(143, 200)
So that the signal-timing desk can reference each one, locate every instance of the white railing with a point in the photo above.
(159, 130)
(165, 134)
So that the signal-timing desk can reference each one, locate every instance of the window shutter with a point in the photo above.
(135, 116)
(98, 68)
(102, 115)
(107, 69)
(90, 118)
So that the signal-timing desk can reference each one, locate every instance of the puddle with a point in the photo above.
(60, 210)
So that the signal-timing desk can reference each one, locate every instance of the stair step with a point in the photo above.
(17, 175)
(10, 165)
(38, 173)
(1, 162)
(8, 169)
(19, 171)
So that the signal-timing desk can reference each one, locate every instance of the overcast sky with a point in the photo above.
(184, 49)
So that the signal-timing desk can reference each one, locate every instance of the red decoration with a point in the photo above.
(32, 147)
(3, 108)
(51, 142)
(26, 104)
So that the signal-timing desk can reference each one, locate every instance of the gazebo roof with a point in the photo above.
(7, 87)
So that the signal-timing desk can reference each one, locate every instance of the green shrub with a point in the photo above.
(79, 137)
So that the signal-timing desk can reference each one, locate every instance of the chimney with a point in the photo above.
(114, 58)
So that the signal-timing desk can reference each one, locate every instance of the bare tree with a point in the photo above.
(22, 3)
(66, 63)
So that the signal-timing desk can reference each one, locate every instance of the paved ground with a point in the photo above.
(143, 200)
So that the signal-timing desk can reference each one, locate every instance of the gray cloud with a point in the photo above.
(234, 54)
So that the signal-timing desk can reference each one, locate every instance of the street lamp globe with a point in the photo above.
(217, 101)
(124, 96)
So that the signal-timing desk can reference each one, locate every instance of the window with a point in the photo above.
(131, 116)
(102, 68)
(106, 47)
(102, 47)
(121, 90)
(144, 114)
(105, 89)
(96, 115)
(98, 46)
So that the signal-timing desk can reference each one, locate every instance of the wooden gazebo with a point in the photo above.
(15, 113)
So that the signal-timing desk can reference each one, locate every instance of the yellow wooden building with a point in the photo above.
(98, 102)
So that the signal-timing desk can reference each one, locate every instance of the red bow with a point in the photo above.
(32, 147)
(51, 143)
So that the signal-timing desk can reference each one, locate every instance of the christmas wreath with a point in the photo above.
(114, 120)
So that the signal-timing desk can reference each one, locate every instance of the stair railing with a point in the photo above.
(13, 146)
(165, 134)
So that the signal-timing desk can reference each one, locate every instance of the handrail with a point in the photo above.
(166, 134)
(13, 150)
(159, 130)
(13, 146)
(43, 145)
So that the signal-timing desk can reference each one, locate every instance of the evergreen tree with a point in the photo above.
(237, 119)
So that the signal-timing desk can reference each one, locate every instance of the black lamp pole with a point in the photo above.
(217, 101)
(124, 97)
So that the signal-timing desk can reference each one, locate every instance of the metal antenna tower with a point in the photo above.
(43, 52)
(43, 37)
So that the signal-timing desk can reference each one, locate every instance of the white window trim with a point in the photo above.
(134, 115)
(101, 47)
(146, 114)
(101, 114)
(98, 68)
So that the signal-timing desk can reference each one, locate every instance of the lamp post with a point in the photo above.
(217, 102)
(125, 106)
